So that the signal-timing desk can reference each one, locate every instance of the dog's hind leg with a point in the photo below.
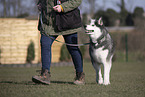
(107, 67)
(99, 78)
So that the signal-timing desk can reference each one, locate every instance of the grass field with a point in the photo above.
(127, 80)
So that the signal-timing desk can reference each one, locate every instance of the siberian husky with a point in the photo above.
(101, 50)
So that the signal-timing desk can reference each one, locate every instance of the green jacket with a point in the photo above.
(48, 17)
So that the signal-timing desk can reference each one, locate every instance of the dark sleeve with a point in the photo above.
(70, 5)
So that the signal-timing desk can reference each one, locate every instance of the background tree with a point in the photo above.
(123, 13)
(129, 20)
(14, 5)
(102, 14)
(30, 52)
(4, 8)
(113, 16)
(92, 6)
(11, 7)
(19, 6)
(138, 12)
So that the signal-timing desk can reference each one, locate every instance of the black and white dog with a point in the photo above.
(101, 50)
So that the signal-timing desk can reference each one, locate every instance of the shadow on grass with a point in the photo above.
(62, 82)
(14, 82)
(32, 83)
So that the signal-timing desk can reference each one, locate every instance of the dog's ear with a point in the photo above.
(100, 22)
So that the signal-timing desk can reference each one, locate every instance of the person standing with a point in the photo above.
(59, 17)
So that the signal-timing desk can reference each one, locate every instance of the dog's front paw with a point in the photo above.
(100, 82)
(106, 83)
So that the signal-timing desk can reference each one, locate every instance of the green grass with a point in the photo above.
(127, 80)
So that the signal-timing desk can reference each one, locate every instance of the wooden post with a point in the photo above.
(126, 46)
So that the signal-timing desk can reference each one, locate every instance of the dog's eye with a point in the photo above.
(92, 30)
(93, 25)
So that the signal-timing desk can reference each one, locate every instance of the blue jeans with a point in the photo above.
(74, 51)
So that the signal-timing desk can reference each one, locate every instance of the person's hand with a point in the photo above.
(57, 8)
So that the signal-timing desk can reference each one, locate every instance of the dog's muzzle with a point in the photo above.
(89, 31)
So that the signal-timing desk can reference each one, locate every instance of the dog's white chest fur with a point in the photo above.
(98, 54)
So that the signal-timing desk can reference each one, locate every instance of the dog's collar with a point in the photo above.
(99, 40)
(98, 45)
(102, 37)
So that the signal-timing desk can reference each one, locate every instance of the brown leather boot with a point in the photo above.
(80, 78)
(44, 78)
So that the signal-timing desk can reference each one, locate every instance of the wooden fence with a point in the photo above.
(16, 35)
